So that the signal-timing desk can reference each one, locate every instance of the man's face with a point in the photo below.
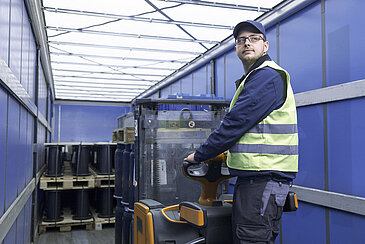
(248, 52)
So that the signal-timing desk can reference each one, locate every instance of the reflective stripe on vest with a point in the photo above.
(273, 143)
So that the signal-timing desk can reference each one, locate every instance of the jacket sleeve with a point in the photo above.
(263, 92)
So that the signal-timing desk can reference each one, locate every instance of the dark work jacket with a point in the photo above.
(264, 91)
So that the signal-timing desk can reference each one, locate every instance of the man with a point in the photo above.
(260, 132)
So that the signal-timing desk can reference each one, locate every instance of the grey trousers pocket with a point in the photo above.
(253, 233)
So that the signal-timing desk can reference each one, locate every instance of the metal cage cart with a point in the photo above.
(167, 131)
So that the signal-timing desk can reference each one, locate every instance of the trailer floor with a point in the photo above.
(106, 235)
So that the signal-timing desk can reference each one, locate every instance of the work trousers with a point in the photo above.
(257, 209)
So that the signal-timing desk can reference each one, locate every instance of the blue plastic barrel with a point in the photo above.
(53, 206)
(54, 162)
(125, 175)
(127, 219)
(82, 157)
(105, 202)
(82, 211)
(132, 159)
(118, 170)
(119, 211)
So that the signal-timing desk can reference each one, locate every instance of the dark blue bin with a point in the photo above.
(127, 220)
(54, 162)
(119, 211)
(53, 206)
(125, 175)
(118, 170)
(132, 159)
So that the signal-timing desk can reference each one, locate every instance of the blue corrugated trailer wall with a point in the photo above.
(86, 123)
(25, 118)
(321, 45)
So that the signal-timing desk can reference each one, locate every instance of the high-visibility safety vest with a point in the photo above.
(273, 143)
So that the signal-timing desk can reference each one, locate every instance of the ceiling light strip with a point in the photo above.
(81, 55)
(122, 48)
(103, 78)
(104, 84)
(139, 36)
(105, 73)
(135, 18)
(113, 66)
(88, 95)
(220, 5)
(107, 88)
(101, 92)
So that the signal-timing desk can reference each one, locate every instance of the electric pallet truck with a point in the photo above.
(208, 221)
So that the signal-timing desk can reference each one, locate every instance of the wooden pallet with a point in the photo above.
(124, 135)
(103, 181)
(67, 181)
(100, 222)
(66, 224)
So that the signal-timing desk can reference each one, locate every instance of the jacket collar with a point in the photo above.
(258, 62)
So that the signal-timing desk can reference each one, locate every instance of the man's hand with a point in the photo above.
(191, 159)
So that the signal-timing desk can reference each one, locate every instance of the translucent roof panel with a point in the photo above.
(114, 50)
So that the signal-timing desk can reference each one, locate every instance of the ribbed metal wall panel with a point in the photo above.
(3, 131)
(16, 18)
(56, 119)
(4, 29)
(346, 130)
(22, 148)
(346, 227)
(27, 220)
(306, 225)
(345, 38)
(86, 123)
(42, 92)
(12, 152)
(41, 139)
(234, 71)
(220, 77)
(20, 228)
(165, 91)
(176, 88)
(29, 149)
(11, 236)
(187, 84)
(49, 107)
(272, 38)
(311, 149)
(24, 79)
(18, 50)
(300, 48)
(32, 67)
(200, 80)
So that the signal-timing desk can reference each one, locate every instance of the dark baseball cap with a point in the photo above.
(249, 25)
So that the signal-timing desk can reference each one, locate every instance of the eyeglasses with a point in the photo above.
(251, 39)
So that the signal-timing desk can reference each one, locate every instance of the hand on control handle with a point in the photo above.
(191, 159)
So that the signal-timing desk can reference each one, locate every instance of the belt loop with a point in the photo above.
(251, 181)
(280, 183)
